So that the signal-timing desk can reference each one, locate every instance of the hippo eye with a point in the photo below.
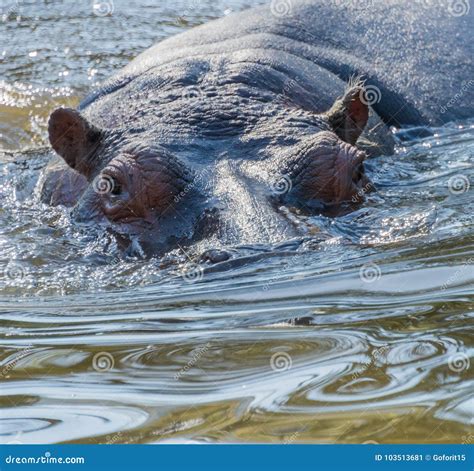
(116, 188)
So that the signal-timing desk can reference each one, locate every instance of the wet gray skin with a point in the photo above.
(209, 133)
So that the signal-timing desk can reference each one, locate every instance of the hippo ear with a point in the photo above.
(74, 139)
(348, 116)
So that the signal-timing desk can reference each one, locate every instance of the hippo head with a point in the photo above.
(140, 187)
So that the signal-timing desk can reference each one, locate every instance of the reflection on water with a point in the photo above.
(365, 336)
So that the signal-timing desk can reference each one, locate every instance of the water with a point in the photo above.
(365, 336)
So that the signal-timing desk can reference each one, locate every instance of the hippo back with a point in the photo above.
(416, 58)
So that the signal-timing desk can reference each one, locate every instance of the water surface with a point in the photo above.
(365, 336)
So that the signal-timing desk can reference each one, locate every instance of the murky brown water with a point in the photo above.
(366, 337)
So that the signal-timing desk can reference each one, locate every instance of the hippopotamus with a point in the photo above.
(212, 132)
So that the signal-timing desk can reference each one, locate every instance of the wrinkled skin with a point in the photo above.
(194, 137)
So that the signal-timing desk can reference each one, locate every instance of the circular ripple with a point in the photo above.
(13, 427)
(409, 352)
(37, 359)
(65, 422)
(392, 373)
